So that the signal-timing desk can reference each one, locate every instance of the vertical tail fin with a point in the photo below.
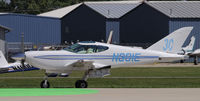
(3, 61)
(173, 42)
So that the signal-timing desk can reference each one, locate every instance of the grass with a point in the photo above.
(157, 72)
(113, 82)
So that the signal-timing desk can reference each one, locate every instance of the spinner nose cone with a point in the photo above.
(29, 56)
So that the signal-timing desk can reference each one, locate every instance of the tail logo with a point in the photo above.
(168, 44)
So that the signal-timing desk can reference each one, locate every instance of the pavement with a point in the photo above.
(123, 94)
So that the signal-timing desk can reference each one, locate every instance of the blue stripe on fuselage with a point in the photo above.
(87, 57)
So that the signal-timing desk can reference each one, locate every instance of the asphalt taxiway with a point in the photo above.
(122, 94)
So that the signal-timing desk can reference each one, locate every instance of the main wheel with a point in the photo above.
(44, 84)
(81, 84)
(181, 61)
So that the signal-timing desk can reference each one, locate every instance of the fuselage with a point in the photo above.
(114, 56)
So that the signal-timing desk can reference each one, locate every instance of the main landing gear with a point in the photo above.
(195, 60)
(79, 83)
(82, 83)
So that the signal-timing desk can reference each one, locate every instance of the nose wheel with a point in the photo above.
(45, 84)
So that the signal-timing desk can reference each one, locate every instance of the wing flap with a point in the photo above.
(99, 71)
(95, 70)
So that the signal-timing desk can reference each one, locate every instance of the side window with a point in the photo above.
(101, 48)
(81, 50)
(91, 50)
(86, 49)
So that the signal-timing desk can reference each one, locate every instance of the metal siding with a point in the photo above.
(83, 24)
(143, 29)
(176, 24)
(61, 12)
(36, 29)
(2, 35)
(177, 9)
(2, 42)
(113, 25)
(113, 10)
(2, 46)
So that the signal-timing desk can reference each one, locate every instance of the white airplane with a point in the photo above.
(13, 67)
(189, 50)
(96, 58)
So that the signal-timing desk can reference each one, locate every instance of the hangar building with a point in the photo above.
(133, 22)
(36, 29)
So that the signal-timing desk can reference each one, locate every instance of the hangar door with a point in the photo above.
(113, 26)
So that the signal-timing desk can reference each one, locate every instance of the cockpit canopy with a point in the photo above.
(86, 49)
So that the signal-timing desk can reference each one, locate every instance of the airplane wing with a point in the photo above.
(95, 69)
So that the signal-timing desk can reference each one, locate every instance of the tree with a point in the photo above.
(37, 6)
(3, 6)
(32, 7)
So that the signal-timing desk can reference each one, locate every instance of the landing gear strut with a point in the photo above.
(82, 83)
(45, 83)
(195, 60)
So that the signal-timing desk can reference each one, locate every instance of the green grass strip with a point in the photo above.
(44, 92)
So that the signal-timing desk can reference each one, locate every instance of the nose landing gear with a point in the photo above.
(45, 83)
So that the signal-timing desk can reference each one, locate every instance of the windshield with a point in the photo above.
(85, 49)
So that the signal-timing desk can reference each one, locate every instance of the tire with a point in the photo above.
(181, 61)
(81, 84)
(43, 85)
